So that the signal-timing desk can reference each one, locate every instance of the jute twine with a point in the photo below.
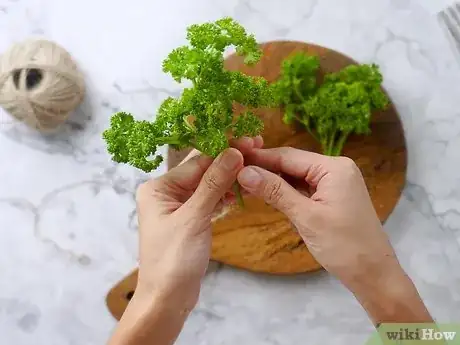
(40, 84)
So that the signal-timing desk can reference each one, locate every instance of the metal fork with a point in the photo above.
(450, 20)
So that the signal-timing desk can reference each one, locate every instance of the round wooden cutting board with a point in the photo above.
(261, 239)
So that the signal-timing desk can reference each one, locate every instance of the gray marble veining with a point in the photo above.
(67, 214)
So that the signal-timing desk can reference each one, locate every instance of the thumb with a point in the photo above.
(216, 181)
(274, 190)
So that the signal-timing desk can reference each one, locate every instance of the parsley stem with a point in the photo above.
(168, 140)
(324, 146)
(299, 94)
(237, 190)
(305, 123)
(331, 142)
(339, 147)
(307, 126)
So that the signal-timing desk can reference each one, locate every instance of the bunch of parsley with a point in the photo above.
(343, 104)
(202, 117)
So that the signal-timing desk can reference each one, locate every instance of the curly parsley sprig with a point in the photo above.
(330, 112)
(202, 117)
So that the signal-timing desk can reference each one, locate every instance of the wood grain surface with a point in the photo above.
(261, 239)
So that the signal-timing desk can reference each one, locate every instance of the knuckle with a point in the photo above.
(147, 189)
(142, 190)
(285, 150)
(282, 153)
(273, 192)
(347, 164)
(211, 181)
(349, 167)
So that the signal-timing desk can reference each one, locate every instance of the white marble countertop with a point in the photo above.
(67, 222)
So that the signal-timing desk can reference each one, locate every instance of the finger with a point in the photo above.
(311, 167)
(216, 181)
(192, 154)
(258, 142)
(187, 175)
(274, 190)
(244, 144)
(173, 188)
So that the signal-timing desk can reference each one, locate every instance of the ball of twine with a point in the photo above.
(40, 84)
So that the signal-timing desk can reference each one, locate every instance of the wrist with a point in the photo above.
(375, 274)
(150, 318)
(167, 297)
(390, 296)
(156, 306)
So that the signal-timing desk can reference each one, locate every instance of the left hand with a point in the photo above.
(175, 212)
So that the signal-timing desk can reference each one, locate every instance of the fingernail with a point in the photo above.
(249, 177)
(243, 141)
(230, 159)
(248, 140)
(258, 141)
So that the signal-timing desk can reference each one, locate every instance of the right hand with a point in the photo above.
(337, 220)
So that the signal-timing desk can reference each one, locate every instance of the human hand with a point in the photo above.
(333, 213)
(337, 222)
(175, 212)
(244, 145)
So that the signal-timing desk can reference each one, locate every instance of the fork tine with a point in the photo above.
(451, 27)
(454, 14)
(457, 7)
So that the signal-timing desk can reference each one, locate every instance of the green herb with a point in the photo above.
(330, 112)
(202, 117)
